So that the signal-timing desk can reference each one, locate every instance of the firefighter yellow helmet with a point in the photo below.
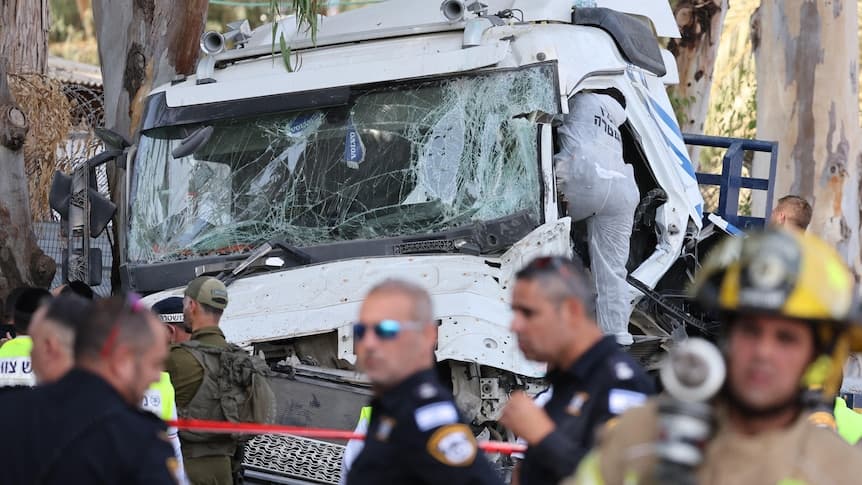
(790, 274)
(780, 272)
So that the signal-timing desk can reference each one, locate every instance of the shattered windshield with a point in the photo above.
(396, 160)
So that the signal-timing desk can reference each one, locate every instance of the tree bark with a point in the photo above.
(142, 44)
(807, 86)
(85, 11)
(22, 262)
(700, 23)
(23, 46)
(24, 34)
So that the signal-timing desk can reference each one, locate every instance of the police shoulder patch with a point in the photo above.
(453, 445)
(435, 415)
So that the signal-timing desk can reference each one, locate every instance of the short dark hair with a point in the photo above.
(796, 209)
(26, 303)
(79, 288)
(9, 312)
(560, 278)
(113, 321)
(69, 310)
(210, 309)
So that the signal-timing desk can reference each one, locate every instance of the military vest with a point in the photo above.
(234, 388)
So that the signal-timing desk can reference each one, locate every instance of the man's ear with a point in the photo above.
(121, 357)
(194, 306)
(574, 308)
(51, 344)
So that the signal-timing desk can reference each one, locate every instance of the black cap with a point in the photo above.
(170, 310)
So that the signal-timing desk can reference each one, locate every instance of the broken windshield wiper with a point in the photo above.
(264, 249)
(479, 237)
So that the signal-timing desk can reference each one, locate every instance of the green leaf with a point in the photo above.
(273, 14)
(285, 53)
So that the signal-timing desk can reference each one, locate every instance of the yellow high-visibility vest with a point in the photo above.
(159, 398)
(849, 422)
(15, 366)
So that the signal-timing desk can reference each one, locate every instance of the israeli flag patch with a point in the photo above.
(435, 415)
(621, 400)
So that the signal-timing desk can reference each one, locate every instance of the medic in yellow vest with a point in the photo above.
(160, 397)
(16, 369)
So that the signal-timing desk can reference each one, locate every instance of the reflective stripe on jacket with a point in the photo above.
(159, 398)
(849, 422)
(15, 366)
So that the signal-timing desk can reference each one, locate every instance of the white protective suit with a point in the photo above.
(600, 187)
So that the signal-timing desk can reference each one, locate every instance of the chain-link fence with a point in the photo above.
(86, 113)
(49, 239)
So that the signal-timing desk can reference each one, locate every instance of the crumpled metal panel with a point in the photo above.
(295, 457)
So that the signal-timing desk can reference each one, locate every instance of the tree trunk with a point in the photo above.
(85, 11)
(142, 44)
(22, 262)
(23, 45)
(807, 86)
(700, 24)
(24, 35)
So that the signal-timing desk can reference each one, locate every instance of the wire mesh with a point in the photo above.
(87, 113)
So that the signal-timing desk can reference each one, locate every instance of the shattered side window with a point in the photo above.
(398, 160)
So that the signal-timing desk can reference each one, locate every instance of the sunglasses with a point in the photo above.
(384, 329)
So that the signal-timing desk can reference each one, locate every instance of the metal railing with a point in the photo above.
(730, 181)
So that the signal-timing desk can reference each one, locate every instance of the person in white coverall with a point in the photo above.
(600, 188)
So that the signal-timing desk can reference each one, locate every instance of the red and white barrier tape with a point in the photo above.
(503, 447)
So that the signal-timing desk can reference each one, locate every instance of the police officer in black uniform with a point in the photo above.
(592, 379)
(86, 427)
(416, 434)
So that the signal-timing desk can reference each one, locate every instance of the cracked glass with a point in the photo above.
(403, 159)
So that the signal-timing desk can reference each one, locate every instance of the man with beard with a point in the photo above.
(786, 300)
(87, 427)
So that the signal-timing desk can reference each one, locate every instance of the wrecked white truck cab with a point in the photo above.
(415, 140)
(409, 145)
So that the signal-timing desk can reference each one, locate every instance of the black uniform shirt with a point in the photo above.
(79, 430)
(417, 436)
(601, 384)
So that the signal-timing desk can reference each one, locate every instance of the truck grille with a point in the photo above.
(291, 456)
